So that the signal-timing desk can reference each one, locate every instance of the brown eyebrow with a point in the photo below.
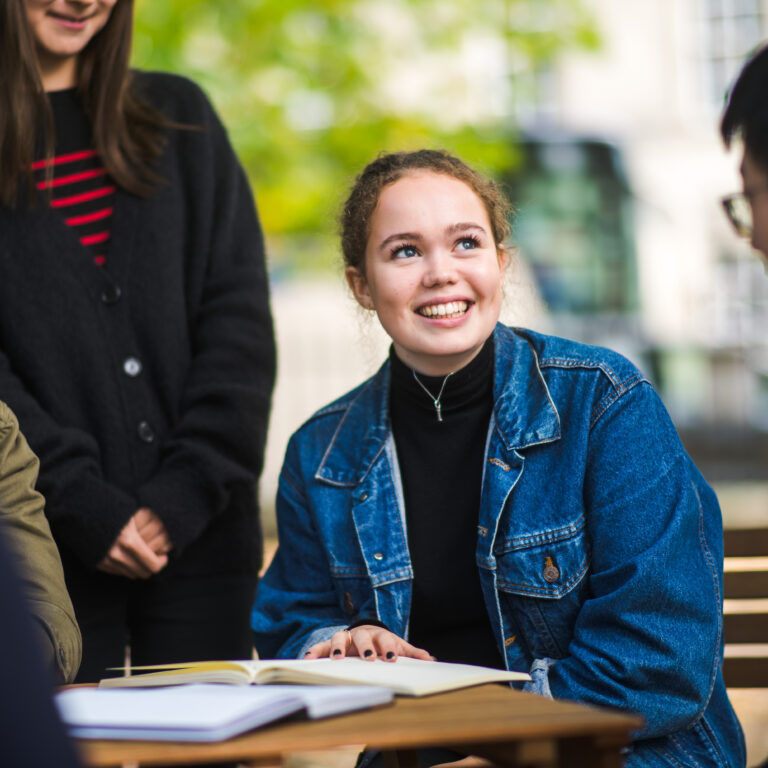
(399, 236)
(461, 226)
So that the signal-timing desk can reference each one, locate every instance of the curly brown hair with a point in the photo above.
(388, 168)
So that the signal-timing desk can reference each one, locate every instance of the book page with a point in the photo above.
(407, 676)
(230, 672)
(202, 712)
(175, 713)
(327, 700)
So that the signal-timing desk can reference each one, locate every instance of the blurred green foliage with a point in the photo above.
(311, 90)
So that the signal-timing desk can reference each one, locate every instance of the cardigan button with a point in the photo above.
(111, 294)
(132, 366)
(145, 432)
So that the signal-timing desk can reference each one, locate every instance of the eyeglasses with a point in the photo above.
(739, 213)
(738, 209)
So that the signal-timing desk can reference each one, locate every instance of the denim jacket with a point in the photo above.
(599, 544)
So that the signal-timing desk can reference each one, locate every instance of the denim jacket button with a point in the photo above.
(363, 496)
(551, 573)
(378, 556)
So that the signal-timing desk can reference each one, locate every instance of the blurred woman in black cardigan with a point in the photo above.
(136, 342)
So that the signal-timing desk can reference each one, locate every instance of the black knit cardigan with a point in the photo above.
(185, 294)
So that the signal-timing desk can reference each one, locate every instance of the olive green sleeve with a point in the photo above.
(38, 563)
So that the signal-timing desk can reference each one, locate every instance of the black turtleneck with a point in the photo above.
(441, 465)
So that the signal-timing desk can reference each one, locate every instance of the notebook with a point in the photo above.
(202, 712)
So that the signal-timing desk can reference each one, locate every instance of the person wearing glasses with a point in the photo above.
(746, 117)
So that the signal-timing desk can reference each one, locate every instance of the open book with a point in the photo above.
(202, 712)
(406, 676)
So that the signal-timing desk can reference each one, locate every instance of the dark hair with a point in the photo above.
(388, 168)
(127, 131)
(746, 113)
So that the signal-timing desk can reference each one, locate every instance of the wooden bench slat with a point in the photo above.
(745, 542)
(745, 584)
(745, 628)
(746, 672)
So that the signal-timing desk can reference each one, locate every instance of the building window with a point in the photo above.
(574, 226)
(730, 29)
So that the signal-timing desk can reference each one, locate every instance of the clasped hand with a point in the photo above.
(369, 642)
(141, 549)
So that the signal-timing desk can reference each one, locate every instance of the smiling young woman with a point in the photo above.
(496, 496)
(136, 343)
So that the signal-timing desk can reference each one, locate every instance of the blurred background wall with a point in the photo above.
(601, 119)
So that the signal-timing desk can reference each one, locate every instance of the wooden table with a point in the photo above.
(509, 727)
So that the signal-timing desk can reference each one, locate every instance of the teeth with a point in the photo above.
(450, 309)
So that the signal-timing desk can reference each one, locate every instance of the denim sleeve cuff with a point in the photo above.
(319, 636)
(371, 622)
(539, 683)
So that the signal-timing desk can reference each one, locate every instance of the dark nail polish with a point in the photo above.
(337, 652)
(368, 653)
(390, 655)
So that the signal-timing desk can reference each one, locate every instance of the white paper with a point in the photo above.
(200, 712)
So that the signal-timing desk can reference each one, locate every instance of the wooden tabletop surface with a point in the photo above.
(491, 715)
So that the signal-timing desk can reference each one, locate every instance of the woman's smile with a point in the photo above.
(73, 22)
(447, 311)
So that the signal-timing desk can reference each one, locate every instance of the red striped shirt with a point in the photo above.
(60, 181)
(68, 158)
(81, 189)
(75, 221)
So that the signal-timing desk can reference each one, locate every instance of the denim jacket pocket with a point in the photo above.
(540, 577)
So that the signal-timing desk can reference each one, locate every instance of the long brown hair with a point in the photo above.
(127, 131)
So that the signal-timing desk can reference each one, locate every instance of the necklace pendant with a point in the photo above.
(435, 400)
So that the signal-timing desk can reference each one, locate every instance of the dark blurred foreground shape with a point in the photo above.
(31, 734)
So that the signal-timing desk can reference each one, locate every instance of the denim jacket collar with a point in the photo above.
(524, 413)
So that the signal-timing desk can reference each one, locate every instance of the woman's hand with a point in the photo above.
(141, 548)
(152, 530)
(368, 642)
